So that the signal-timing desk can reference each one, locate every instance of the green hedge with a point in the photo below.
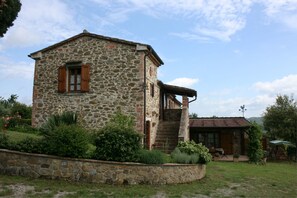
(117, 144)
(67, 141)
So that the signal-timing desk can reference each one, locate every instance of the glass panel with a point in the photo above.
(71, 87)
(78, 79)
(72, 79)
(78, 87)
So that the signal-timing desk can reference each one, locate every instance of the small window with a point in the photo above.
(152, 89)
(74, 79)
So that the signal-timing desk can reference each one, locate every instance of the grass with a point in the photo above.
(224, 179)
(18, 136)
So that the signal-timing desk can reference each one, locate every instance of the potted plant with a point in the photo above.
(236, 157)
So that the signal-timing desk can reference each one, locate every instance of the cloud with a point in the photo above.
(39, 22)
(285, 85)
(11, 69)
(183, 82)
(282, 11)
(226, 103)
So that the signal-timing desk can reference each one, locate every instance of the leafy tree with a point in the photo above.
(7, 104)
(9, 10)
(193, 115)
(280, 119)
(255, 151)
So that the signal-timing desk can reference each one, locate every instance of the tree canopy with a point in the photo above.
(9, 10)
(280, 119)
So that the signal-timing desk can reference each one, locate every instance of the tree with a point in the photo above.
(280, 119)
(9, 10)
(193, 115)
(255, 151)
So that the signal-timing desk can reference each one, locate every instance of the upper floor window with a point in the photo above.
(73, 78)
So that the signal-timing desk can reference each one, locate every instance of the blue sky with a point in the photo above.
(233, 52)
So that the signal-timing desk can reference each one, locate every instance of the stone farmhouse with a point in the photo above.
(96, 76)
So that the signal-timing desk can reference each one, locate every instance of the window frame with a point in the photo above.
(76, 84)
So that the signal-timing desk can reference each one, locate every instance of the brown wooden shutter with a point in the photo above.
(85, 78)
(62, 79)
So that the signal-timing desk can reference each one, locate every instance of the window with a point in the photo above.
(208, 139)
(152, 89)
(73, 78)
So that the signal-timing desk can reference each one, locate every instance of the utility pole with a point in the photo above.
(242, 109)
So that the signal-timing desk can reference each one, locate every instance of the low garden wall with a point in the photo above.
(72, 169)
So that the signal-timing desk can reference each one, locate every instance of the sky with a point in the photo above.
(232, 52)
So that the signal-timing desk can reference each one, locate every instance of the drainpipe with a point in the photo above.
(193, 99)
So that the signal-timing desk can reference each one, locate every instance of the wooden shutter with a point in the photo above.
(62, 79)
(85, 78)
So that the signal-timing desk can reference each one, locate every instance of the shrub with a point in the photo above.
(16, 121)
(29, 145)
(184, 158)
(4, 141)
(66, 118)
(67, 141)
(118, 140)
(151, 157)
(255, 151)
(117, 144)
(191, 148)
(22, 110)
(2, 124)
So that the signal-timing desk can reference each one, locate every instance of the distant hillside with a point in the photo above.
(258, 120)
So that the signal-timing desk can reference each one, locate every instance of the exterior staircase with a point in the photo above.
(167, 136)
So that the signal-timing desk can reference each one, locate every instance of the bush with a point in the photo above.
(255, 151)
(2, 124)
(193, 150)
(22, 110)
(17, 121)
(184, 158)
(67, 141)
(4, 141)
(116, 144)
(151, 157)
(66, 118)
(118, 140)
(29, 145)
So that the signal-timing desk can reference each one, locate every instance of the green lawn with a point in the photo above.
(224, 179)
(18, 136)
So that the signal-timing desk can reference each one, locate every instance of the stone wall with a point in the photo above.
(116, 82)
(172, 114)
(51, 167)
(152, 101)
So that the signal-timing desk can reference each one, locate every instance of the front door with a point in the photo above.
(227, 142)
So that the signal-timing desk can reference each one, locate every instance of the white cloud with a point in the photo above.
(45, 22)
(285, 85)
(282, 11)
(183, 82)
(11, 69)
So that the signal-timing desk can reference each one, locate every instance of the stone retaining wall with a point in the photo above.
(71, 169)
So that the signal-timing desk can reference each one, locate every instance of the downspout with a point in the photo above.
(144, 98)
(193, 99)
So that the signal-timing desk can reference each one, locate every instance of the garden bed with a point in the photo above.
(96, 171)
